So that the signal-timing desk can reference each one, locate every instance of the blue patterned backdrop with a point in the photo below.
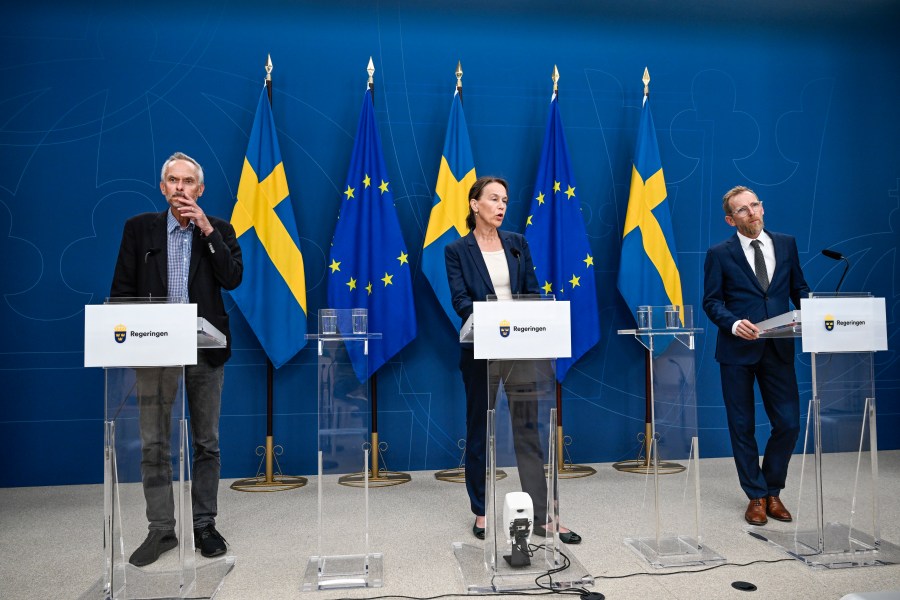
(799, 105)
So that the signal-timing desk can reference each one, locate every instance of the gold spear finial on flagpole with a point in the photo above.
(555, 78)
(646, 80)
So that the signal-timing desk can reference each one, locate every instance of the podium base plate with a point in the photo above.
(348, 571)
(675, 551)
(843, 548)
(148, 584)
(478, 579)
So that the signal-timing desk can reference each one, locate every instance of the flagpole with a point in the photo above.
(565, 470)
(643, 463)
(377, 477)
(269, 481)
(456, 474)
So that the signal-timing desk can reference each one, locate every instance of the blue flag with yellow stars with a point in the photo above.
(648, 269)
(563, 261)
(451, 206)
(369, 264)
(272, 296)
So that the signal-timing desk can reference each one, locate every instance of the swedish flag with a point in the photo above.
(273, 293)
(648, 269)
(451, 206)
(562, 256)
(369, 266)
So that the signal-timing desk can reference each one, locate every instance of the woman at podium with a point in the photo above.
(488, 262)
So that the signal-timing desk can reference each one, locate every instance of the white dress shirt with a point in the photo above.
(768, 250)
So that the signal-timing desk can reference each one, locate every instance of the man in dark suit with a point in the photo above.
(187, 256)
(750, 277)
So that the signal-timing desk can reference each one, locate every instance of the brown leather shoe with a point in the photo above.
(775, 508)
(756, 512)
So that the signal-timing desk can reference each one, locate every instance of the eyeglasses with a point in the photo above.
(746, 210)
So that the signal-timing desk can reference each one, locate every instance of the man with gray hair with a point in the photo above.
(188, 256)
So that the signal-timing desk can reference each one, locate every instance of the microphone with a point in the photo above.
(151, 252)
(515, 252)
(835, 255)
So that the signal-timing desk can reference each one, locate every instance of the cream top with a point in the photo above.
(498, 269)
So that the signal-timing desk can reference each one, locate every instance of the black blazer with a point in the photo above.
(142, 269)
(731, 292)
(468, 275)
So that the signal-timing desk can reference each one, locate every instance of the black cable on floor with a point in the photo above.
(752, 562)
(588, 595)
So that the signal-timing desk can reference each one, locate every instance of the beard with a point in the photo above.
(752, 230)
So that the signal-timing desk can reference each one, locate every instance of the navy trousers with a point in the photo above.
(781, 399)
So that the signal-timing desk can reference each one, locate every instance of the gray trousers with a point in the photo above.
(157, 389)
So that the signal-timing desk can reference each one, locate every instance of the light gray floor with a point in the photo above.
(50, 539)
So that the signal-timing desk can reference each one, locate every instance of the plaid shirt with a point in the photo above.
(179, 249)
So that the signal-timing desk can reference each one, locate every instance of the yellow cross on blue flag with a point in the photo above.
(369, 265)
(564, 263)
(648, 269)
(451, 206)
(272, 296)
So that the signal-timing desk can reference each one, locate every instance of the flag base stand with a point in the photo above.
(643, 465)
(458, 474)
(267, 480)
(376, 476)
(568, 469)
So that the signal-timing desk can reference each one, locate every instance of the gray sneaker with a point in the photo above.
(157, 542)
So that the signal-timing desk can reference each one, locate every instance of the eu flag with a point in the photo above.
(555, 231)
(369, 265)
(272, 296)
(648, 270)
(451, 206)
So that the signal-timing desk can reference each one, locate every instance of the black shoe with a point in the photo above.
(157, 542)
(209, 541)
(569, 537)
(478, 531)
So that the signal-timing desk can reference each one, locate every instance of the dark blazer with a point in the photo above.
(142, 269)
(468, 275)
(731, 292)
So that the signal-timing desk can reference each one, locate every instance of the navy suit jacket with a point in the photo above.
(142, 269)
(468, 275)
(731, 292)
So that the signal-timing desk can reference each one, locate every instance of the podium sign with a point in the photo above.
(522, 329)
(140, 335)
(843, 324)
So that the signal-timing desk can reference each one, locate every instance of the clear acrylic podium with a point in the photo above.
(147, 456)
(669, 532)
(836, 519)
(344, 560)
(522, 440)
